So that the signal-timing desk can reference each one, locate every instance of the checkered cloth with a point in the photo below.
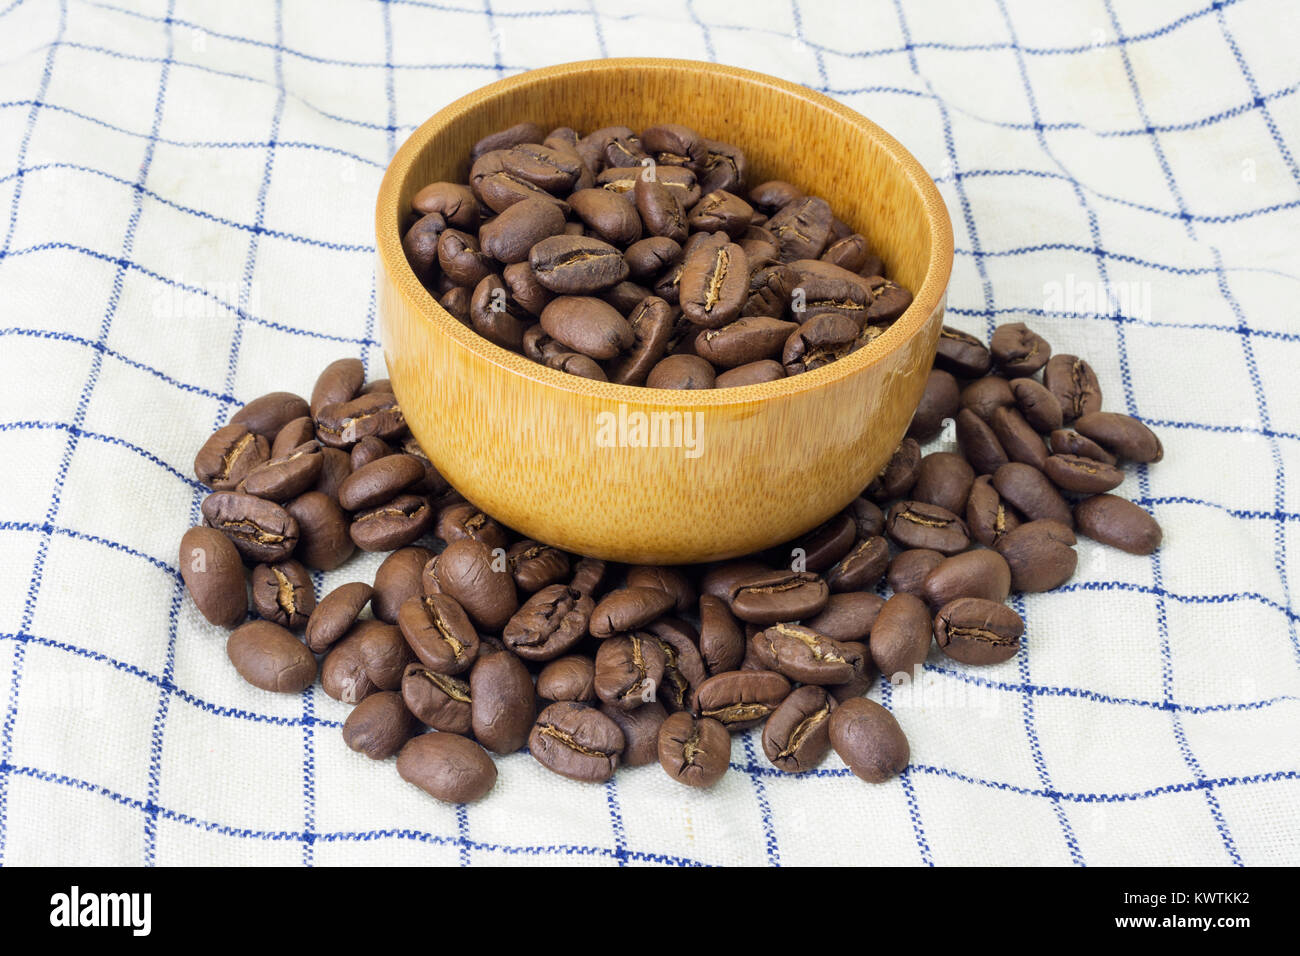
(186, 194)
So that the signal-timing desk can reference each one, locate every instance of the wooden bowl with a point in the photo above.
(560, 458)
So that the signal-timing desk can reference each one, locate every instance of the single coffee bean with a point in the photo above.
(283, 594)
(986, 395)
(797, 735)
(393, 524)
(802, 228)
(1119, 523)
(576, 741)
(746, 340)
(941, 400)
(345, 424)
(1018, 350)
(1063, 441)
(588, 575)
(769, 197)
(609, 216)
(549, 623)
(506, 138)
(1082, 475)
(261, 530)
(651, 321)
(754, 373)
(848, 616)
(628, 609)
(271, 658)
(1037, 404)
(482, 585)
(741, 699)
(650, 256)
(714, 283)
(503, 704)
(900, 474)
(587, 325)
(535, 565)
(456, 301)
(1074, 384)
(820, 548)
(777, 596)
(343, 671)
(228, 455)
(682, 372)
(721, 211)
(987, 516)
(640, 731)
(397, 579)
(961, 354)
(868, 739)
(900, 636)
(420, 243)
(852, 253)
(722, 643)
(462, 520)
(453, 201)
(335, 466)
(568, 678)
(383, 652)
(439, 700)
(694, 751)
(684, 668)
(379, 481)
(629, 670)
(862, 567)
(819, 341)
(979, 443)
(724, 167)
(673, 144)
(295, 433)
(890, 300)
(803, 655)
(576, 265)
(975, 631)
(1122, 435)
(944, 479)
(720, 580)
(524, 289)
(379, 726)
(509, 236)
(868, 517)
(981, 573)
(1031, 493)
(1040, 554)
(279, 479)
(335, 615)
(214, 575)
(448, 767)
(915, 524)
(497, 317)
(439, 632)
(339, 382)
(667, 579)
(660, 206)
(268, 414)
(1018, 438)
(771, 288)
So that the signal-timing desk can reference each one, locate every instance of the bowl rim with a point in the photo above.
(925, 300)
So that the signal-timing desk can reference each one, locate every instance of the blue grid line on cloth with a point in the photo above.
(1158, 590)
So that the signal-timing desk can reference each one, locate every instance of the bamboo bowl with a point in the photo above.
(561, 458)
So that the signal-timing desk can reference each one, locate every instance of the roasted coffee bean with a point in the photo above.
(771, 288)
(982, 573)
(714, 283)
(650, 256)
(777, 596)
(228, 455)
(944, 479)
(568, 678)
(335, 466)
(448, 767)
(335, 615)
(941, 400)
(1122, 435)
(1063, 441)
(724, 167)
(1018, 438)
(987, 516)
(1040, 554)
(340, 382)
(961, 354)
(797, 735)
(439, 700)
(499, 189)
(770, 196)
(864, 674)
(588, 575)
(1018, 350)
(889, 301)
(819, 341)
(661, 207)
(457, 301)
(754, 373)
(268, 414)
(495, 316)
(746, 340)
(1081, 475)
(609, 215)
(1074, 384)
(1119, 523)
(720, 580)
(1031, 493)
(915, 524)
(862, 567)
(587, 325)
(821, 547)
(379, 726)
(978, 443)
(397, 579)
(345, 424)
(868, 517)
(803, 655)
(899, 475)
(900, 636)
(628, 609)
(682, 372)
(467, 570)
(439, 632)
(214, 575)
(741, 699)
(279, 479)
(509, 236)
(367, 450)
(802, 227)
(674, 145)
(343, 670)
(463, 520)
(503, 703)
(985, 395)
(868, 739)
(379, 481)
(261, 530)
(826, 288)
(576, 265)
(549, 623)
(383, 652)
(722, 642)
(667, 579)
(271, 658)
(909, 569)
(975, 631)
(625, 296)
(847, 616)
(283, 594)
(535, 566)
(640, 731)
(629, 670)
(524, 289)
(453, 201)
(694, 751)
(721, 211)
(852, 253)
(651, 321)
(556, 170)
(393, 524)
(576, 741)
(420, 243)
(1037, 404)
(506, 138)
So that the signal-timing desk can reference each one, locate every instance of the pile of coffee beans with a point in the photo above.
(495, 642)
(636, 259)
